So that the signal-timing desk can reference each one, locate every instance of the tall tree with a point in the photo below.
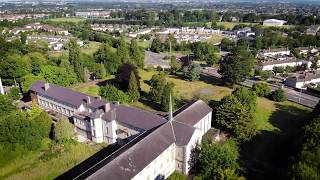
(108, 57)
(167, 92)
(236, 67)
(233, 117)
(157, 83)
(156, 45)
(123, 75)
(192, 71)
(123, 50)
(133, 90)
(74, 58)
(136, 54)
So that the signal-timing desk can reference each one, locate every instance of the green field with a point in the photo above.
(31, 165)
(216, 39)
(68, 19)
(91, 48)
(230, 25)
(267, 155)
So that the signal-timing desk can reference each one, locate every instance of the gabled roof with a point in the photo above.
(182, 132)
(192, 113)
(128, 164)
(132, 116)
(61, 94)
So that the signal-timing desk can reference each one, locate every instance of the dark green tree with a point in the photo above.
(111, 93)
(74, 58)
(165, 100)
(236, 67)
(136, 54)
(233, 117)
(123, 75)
(192, 71)
(261, 89)
(278, 95)
(133, 90)
(6, 105)
(156, 45)
(123, 50)
(157, 83)
(208, 159)
(246, 97)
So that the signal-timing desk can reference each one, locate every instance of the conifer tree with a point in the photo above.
(133, 90)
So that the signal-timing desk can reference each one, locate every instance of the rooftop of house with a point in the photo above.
(274, 50)
(307, 76)
(281, 61)
(125, 114)
(179, 131)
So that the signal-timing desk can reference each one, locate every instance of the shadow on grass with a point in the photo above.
(268, 154)
(211, 80)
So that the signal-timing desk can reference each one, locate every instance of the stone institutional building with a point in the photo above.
(154, 146)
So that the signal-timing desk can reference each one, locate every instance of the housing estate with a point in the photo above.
(281, 61)
(301, 81)
(156, 146)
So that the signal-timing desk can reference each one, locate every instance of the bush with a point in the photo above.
(192, 71)
(111, 93)
(278, 95)
(63, 130)
(261, 89)
(177, 176)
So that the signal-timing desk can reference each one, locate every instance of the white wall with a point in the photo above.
(164, 164)
(97, 132)
(291, 64)
(55, 106)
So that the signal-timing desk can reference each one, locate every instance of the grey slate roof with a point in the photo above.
(192, 113)
(131, 162)
(64, 95)
(183, 133)
(125, 114)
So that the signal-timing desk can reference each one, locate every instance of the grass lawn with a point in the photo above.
(30, 166)
(144, 43)
(216, 39)
(230, 25)
(267, 155)
(91, 48)
(68, 19)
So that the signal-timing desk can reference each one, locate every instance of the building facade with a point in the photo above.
(155, 146)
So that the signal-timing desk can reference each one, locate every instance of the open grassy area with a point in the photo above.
(267, 155)
(68, 19)
(144, 43)
(30, 165)
(91, 48)
(216, 39)
(230, 25)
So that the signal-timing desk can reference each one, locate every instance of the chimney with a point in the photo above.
(88, 100)
(107, 107)
(113, 114)
(46, 86)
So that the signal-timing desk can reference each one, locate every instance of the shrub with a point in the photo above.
(261, 89)
(111, 93)
(278, 95)
(63, 130)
